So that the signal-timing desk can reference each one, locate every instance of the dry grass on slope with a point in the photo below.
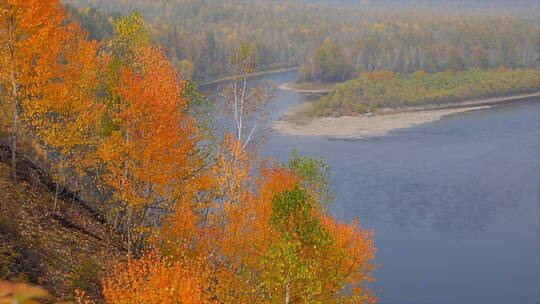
(68, 251)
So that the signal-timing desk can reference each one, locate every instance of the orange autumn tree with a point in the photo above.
(355, 263)
(275, 245)
(268, 241)
(201, 215)
(283, 248)
(150, 155)
(21, 293)
(155, 279)
(231, 172)
(57, 75)
(33, 34)
(252, 259)
(235, 189)
(66, 116)
(244, 236)
(253, 237)
(197, 228)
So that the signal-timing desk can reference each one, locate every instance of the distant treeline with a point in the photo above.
(435, 4)
(199, 36)
(456, 43)
(385, 89)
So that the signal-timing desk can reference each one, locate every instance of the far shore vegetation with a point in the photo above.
(384, 90)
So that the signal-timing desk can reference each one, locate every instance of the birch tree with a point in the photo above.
(245, 102)
(32, 36)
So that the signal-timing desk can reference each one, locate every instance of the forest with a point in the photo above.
(374, 91)
(196, 218)
(105, 134)
(199, 36)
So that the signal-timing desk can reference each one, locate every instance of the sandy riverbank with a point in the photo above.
(295, 122)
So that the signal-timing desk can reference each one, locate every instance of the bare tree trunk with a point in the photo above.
(140, 238)
(14, 136)
(55, 199)
(77, 182)
(130, 224)
(129, 207)
(15, 103)
(116, 221)
(288, 291)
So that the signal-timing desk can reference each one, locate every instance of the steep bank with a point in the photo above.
(297, 122)
(62, 252)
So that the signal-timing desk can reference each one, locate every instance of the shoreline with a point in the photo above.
(296, 122)
(287, 86)
(261, 73)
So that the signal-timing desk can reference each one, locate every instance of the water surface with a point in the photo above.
(455, 203)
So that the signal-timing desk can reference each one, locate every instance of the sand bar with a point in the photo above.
(295, 123)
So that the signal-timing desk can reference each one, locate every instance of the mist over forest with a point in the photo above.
(484, 4)
(200, 36)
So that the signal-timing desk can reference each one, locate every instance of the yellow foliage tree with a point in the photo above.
(33, 35)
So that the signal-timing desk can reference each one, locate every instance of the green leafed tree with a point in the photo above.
(293, 263)
(327, 64)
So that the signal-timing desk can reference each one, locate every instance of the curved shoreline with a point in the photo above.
(287, 86)
(261, 73)
(296, 122)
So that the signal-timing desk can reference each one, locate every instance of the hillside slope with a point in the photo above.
(62, 253)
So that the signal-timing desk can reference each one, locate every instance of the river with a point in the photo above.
(455, 204)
